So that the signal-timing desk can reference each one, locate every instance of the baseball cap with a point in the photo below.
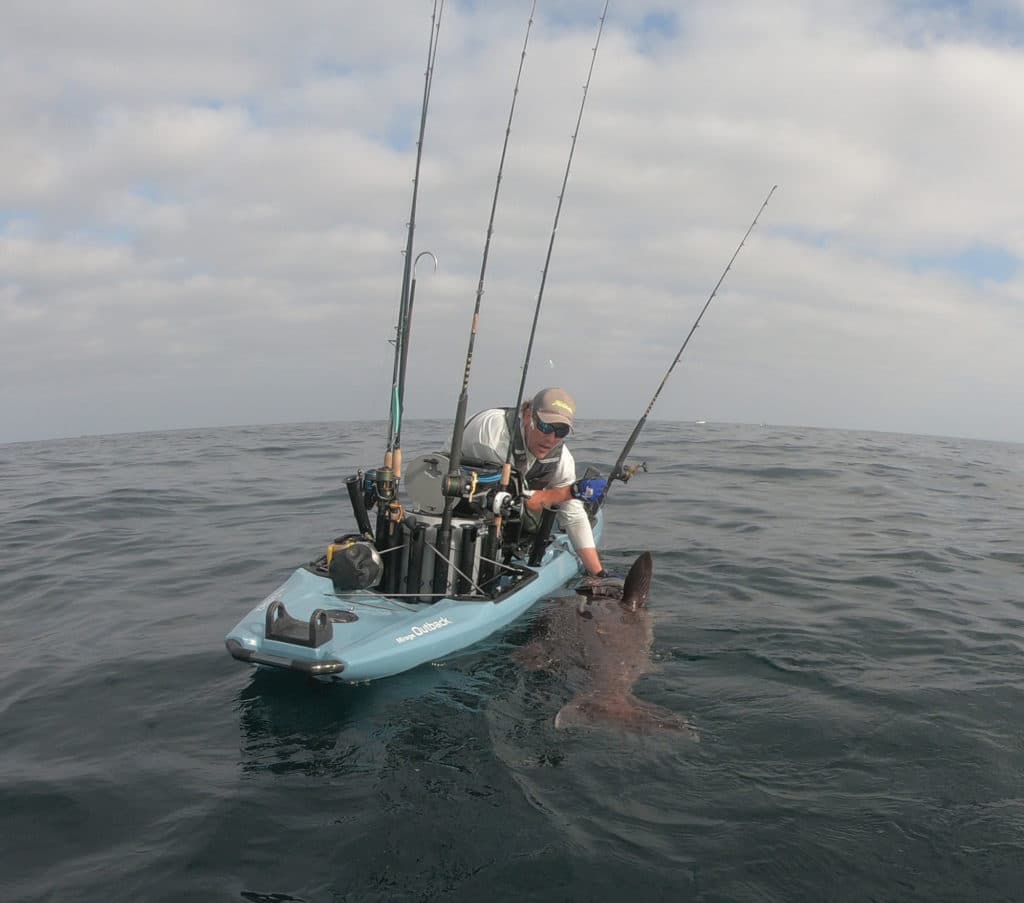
(554, 405)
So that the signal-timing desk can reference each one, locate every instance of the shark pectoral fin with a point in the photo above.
(536, 655)
(625, 712)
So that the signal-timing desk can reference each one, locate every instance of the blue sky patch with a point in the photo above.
(404, 127)
(817, 238)
(9, 218)
(103, 234)
(148, 191)
(978, 264)
(660, 24)
(954, 19)
(335, 69)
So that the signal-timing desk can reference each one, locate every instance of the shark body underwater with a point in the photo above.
(602, 645)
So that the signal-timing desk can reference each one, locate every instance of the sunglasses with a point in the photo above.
(561, 430)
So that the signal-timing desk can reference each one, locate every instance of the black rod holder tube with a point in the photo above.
(414, 576)
(355, 494)
(393, 574)
(488, 553)
(441, 570)
(543, 537)
(467, 555)
(382, 540)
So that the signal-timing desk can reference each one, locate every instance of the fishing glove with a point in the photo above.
(589, 490)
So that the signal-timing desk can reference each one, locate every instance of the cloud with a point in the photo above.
(202, 211)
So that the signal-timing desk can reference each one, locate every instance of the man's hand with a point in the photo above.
(584, 490)
(545, 498)
(589, 490)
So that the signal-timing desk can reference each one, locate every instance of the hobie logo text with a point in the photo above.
(421, 629)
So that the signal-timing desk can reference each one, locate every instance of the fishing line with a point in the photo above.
(620, 472)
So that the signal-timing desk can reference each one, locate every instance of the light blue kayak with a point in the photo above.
(308, 626)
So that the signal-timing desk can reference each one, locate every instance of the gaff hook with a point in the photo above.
(429, 254)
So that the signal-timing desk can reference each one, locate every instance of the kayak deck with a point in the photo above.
(307, 626)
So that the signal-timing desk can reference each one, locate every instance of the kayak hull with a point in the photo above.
(308, 627)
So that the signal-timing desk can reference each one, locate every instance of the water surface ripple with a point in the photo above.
(840, 614)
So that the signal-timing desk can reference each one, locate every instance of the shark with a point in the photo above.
(601, 644)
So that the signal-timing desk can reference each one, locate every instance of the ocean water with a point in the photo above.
(840, 614)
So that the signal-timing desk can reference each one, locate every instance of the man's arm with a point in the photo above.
(591, 560)
(584, 490)
(548, 498)
(571, 512)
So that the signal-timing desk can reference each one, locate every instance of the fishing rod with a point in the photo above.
(506, 473)
(620, 471)
(387, 477)
(554, 227)
(393, 455)
(451, 484)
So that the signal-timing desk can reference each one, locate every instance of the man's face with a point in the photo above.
(540, 444)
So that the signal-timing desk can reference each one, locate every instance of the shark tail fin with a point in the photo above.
(624, 712)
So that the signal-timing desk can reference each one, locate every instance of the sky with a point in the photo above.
(203, 211)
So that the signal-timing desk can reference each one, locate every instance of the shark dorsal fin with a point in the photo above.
(638, 583)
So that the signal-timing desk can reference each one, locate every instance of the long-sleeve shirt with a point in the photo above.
(486, 438)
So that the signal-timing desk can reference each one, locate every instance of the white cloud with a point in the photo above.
(202, 211)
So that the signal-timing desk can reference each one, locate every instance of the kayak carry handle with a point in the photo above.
(282, 627)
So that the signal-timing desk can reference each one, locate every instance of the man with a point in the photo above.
(548, 466)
